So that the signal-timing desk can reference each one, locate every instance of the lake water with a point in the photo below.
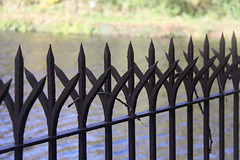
(65, 48)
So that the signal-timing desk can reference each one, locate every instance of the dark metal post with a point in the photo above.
(235, 79)
(108, 129)
(152, 118)
(82, 94)
(172, 117)
(190, 107)
(206, 130)
(51, 102)
(131, 122)
(221, 103)
(18, 136)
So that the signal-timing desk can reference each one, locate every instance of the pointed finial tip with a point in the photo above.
(130, 52)
(106, 45)
(50, 49)
(81, 46)
(233, 35)
(107, 50)
(151, 42)
(130, 45)
(191, 39)
(206, 38)
(19, 48)
(19, 55)
(171, 40)
(222, 37)
(81, 50)
(151, 47)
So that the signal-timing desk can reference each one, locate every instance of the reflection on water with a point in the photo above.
(35, 46)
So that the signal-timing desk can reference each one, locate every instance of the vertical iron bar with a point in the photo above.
(51, 78)
(82, 94)
(52, 149)
(82, 146)
(151, 61)
(130, 57)
(206, 130)
(18, 137)
(152, 136)
(107, 64)
(235, 79)
(236, 126)
(221, 104)
(190, 107)
(18, 154)
(131, 122)
(221, 128)
(108, 142)
(152, 118)
(18, 82)
(108, 129)
(82, 76)
(52, 145)
(172, 117)
(190, 131)
(172, 134)
(131, 139)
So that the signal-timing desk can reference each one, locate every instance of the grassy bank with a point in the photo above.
(95, 18)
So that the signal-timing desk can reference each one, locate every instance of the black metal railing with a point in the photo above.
(152, 81)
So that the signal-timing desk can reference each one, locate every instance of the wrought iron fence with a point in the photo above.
(152, 81)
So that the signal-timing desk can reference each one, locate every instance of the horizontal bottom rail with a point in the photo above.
(75, 131)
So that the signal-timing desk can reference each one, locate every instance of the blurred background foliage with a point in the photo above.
(97, 17)
(193, 8)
